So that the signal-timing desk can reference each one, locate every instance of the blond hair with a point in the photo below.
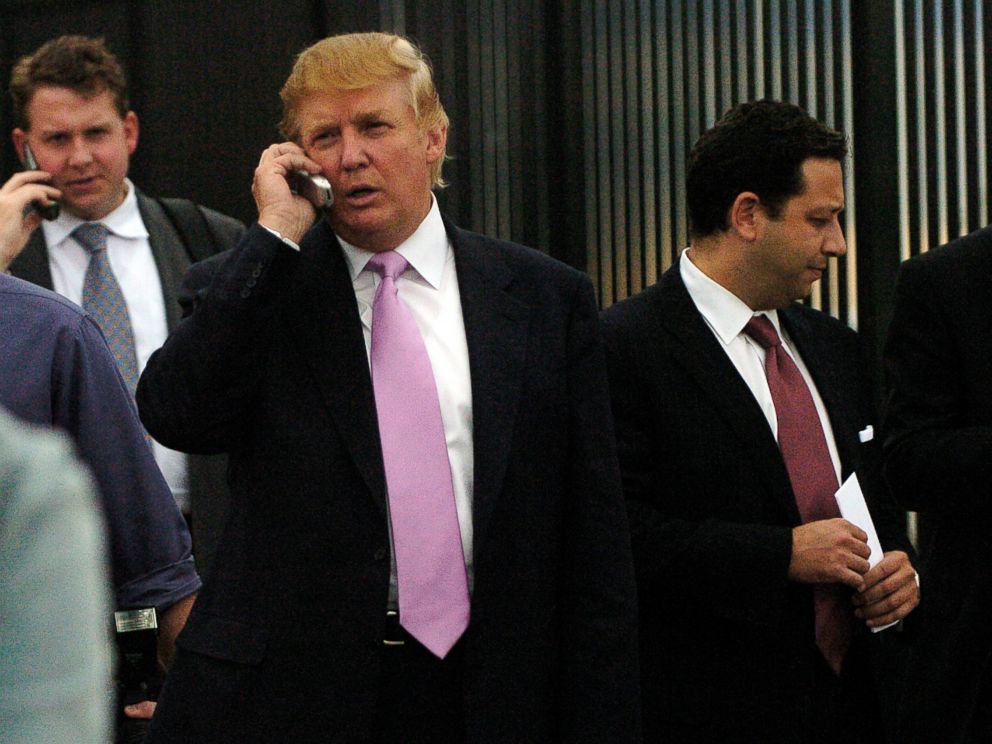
(355, 61)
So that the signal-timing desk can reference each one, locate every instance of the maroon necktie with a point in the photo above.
(811, 472)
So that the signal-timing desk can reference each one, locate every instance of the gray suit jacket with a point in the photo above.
(208, 489)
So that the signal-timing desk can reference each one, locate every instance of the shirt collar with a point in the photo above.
(426, 249)
(726, 313)
(125, 221)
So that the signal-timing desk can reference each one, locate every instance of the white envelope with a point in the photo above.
(854, 509)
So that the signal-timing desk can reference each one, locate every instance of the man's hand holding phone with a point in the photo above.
(17, 217)
(278, 177)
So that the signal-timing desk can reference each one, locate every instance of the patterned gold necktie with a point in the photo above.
(104, 301)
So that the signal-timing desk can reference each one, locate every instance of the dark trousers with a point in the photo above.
(846, 708)
(980, 728)
(420, 696)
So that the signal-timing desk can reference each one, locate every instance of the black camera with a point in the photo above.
(138, 676)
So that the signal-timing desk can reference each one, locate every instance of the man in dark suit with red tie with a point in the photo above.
(739, 413)
(427, 540)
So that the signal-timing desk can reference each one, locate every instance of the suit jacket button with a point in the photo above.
(257, 271)
(250, 283)
(245, 294)
(380, 554)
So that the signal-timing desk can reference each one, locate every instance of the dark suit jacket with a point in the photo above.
(285, 641)
(208, 489)
(938, 446)
(727, 651)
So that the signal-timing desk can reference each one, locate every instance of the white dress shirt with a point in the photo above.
(429, 288)
(132, 261)
(726, 315)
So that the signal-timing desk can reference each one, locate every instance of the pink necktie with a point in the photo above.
(811, 472)
(430, 565)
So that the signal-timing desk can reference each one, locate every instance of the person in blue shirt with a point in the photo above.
(56, 371)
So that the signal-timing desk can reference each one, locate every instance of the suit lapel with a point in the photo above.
(323, 318)
(698, 351)
(32, 263)
(496, 328)
(325, 323)
(170, 262)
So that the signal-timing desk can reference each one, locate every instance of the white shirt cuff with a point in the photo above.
(287, 241)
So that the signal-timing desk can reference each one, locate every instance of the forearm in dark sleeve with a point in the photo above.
(196, 388)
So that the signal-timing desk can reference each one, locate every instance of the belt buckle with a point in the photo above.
(394, 632)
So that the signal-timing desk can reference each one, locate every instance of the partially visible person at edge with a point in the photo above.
(55, 651)
(938, 458)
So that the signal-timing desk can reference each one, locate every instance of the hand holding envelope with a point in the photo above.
(891, 587)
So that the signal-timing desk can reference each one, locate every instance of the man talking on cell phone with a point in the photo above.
(116, 251)
(113, 250)
(427, 539)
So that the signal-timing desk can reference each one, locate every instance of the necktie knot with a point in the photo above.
(92, 236)
(761, 330)
(388, 264)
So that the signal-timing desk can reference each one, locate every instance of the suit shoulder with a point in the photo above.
(819, 322)
(523, 255)
(969, 256)
(533, 274)
(220, 221)
(632, 313)
(224, 231)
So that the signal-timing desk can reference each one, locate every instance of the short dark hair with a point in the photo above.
(79, 63)
(758, 146)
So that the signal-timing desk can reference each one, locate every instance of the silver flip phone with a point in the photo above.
(315, 188)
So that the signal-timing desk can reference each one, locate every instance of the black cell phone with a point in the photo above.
(315, 188)
(49, 211)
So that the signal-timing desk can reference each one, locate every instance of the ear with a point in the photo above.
(746, 214)
(437, 138)
(131, 131)
(19, 136)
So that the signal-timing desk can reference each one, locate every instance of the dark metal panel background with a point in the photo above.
(656, 74)
(571, 121)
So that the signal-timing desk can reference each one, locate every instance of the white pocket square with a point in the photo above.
(866, 434)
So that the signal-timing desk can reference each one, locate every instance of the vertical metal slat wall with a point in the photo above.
(942, 121)
(656, 74)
